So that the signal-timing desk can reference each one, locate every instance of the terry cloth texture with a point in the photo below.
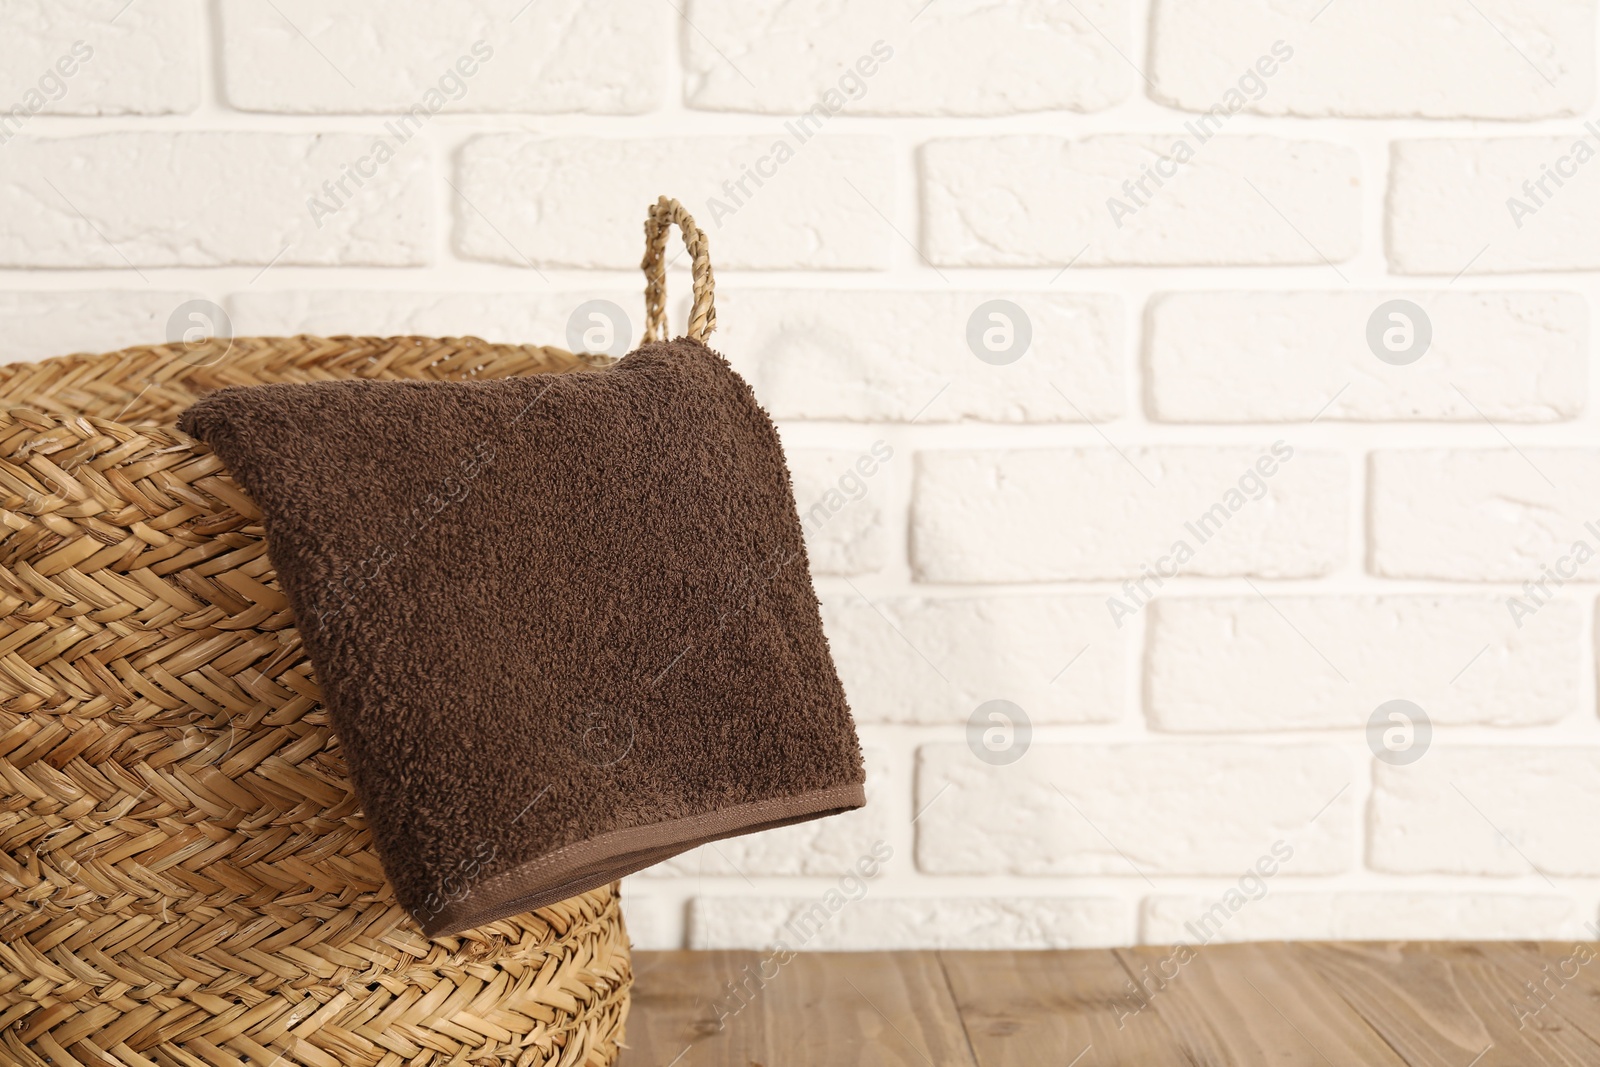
(564, 624)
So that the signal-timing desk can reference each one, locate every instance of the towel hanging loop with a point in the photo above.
(703, 314)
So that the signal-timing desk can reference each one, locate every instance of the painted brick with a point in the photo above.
(841, 508)
(100, 59)
(1370, 59)
(554, 55)
(578, 201)
(201, 199)
(1500, 515)
(886, 356)
(540, 318)
(1457, 205)
(1504, 811)
(59, 322)
(652, 926)
(935, 660)
(1293, 357)
(1326, 662)
(1036, 201)
(909, 58)
(1389, 916)
(1125, 809)
(874, 924)
(1065, 514)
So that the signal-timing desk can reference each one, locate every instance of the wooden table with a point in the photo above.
(1280, 1003)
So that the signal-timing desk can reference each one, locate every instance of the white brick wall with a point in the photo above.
(1035, 201)
(930, 59)
(932, 660)
(568, 55)
(1284, 357)
(898, 357)
(1031, 289)
(1055, 514)
(1135, 810)
(1286, 915)
(1503, 811)
(1501, 514)
(1371, 58)
(42, 324)
(1327, 661)
(840, 497)
(209, 200)
(93, 59)
(1478, 206)
(514, 318)
(880, 924)
(572, 201)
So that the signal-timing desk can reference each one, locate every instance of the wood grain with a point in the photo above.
(1438, 1006)
(1282, 1004)
(1059, 1008)
(673, 1012)
(1252, 1005)
(849, 1010)
(1558, 984)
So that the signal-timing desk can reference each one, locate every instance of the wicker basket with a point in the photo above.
(185, 877)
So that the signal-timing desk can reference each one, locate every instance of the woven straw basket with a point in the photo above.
(186, 879)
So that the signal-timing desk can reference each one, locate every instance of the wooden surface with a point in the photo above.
(1404, 1004)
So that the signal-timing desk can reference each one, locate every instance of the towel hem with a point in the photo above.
(585, 865)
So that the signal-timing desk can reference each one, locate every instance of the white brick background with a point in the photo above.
(1280, 169)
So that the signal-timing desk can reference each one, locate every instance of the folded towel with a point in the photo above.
(563, 624)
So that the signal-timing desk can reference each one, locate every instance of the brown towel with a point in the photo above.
(564, 624)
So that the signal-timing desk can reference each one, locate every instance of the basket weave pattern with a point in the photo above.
(185, 877)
